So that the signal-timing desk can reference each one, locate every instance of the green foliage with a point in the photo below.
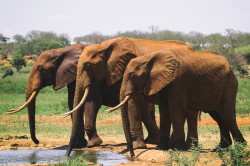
(76, 161)
(217, 43)
(181, 158)
(237, 61)
(92, 38)
(243, 71)
(18, 62)
(19, 39)
(245, 50)
(37, 41)
(3, 39)
(7, 72)
(45, 45)
(238, 155)
(6, 49)
(243, 97)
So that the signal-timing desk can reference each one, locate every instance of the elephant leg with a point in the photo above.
(91, 111)
(149, 121)
(80, 139)
(225, 138)
(92, 106)
(227, 116)
(177, 139)
(135, 118)
(165, 124)
(192, 136)
(177, 105)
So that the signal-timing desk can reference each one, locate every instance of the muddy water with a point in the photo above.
(23, 157)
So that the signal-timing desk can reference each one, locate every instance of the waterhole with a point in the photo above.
(23, 157)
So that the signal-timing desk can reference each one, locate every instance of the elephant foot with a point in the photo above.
(179, 145)
(191, 143)
(223, 145)
(152, 140)
(94, 139)
(162, 146)
(81, 143)
(94, 142)
(139, 144)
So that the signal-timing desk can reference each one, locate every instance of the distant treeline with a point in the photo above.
(235, 45)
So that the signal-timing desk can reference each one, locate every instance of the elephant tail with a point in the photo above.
(199, 115)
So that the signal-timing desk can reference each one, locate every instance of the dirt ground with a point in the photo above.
(149, 156)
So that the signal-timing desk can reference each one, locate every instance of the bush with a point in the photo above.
(45, 45)
(243, 71)
(237, 61)
(8, 72)
(18, 62)
(244, 51)
(237, 155)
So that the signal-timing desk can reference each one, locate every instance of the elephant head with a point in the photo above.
(55, 67)
(147, 75)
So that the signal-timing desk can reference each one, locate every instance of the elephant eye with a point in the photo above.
(87, 65)
(40, 68)
(131, 76)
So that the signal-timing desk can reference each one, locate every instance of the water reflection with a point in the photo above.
(21, 157)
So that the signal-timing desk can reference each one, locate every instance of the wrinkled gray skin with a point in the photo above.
(180, 81)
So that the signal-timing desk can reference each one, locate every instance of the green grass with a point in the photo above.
(243, 96)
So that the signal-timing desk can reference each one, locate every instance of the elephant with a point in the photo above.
(179, 82)
(106, 62)
(55, 67)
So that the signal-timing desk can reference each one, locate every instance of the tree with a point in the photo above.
(44, 45)
(217, 42)
(3, 39)
(245, 51)
(93, 38)
(197, 40)
(19, 39)
(37, 41)
(18, 62)
(6, 49)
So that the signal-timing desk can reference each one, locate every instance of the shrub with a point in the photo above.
(7, 72)
(237, 155)
(18, 62)
(237, 61)
(243, 71)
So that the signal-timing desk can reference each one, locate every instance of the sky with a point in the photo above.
(81, 17)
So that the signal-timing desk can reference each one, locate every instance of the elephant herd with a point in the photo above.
(138, 73)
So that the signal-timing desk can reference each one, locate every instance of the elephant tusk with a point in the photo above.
(118, 106)
(12, 111)
(79, 105)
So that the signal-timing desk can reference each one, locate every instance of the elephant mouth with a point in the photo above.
(120, 105)
(31, 98)
(86, 92)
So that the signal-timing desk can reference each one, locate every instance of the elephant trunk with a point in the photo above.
(76, 118)
(31, 113)
(126, 127)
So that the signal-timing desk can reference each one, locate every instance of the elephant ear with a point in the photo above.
(118, 54)
(163, 69)
(67, 65)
